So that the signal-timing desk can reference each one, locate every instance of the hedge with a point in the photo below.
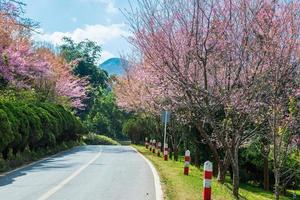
(95, 139)
(36, 126)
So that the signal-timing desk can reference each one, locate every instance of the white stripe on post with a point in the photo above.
(150, 145)
(207, 180)
(158, 148)
(187, 159)
(154, 146)
(146, 142)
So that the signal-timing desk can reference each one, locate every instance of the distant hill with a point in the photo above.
(114, 66)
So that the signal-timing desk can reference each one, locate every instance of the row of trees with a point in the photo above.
(229, 69)
(38, 88)
(67, 74)
(101, 114)
(35, 126)
(24, 65)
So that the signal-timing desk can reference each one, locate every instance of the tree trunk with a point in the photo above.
(235, 172)
(214, 152)
(197, 156)
(175, 153)
(276, 186)
(266, 174)
(5, 153)
(15, 151)
(236, 180)
(221, 173)
(171, 153)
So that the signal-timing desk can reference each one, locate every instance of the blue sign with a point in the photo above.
(165, 116)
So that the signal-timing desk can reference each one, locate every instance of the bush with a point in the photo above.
(38, 126)
(6, 135)
(94, 139)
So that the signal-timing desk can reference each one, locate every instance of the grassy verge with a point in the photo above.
(28, 157)
(95, 139)
(177, 186)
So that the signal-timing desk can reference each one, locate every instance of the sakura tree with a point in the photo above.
(24, 66)
(216, 60)
(61, 84)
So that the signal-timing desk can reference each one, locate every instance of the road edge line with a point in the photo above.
(158, 188)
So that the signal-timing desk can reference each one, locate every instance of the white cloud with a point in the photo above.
(110, 6)
(98, 33)
(105, 55)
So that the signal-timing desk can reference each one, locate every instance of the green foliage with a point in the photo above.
(6, 135)
(95, 139)
(39, 125)
(105, 117)
(292, 106)
(85, 54)
(139, 127)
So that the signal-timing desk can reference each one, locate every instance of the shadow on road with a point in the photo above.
(61, 161)
(48, 164)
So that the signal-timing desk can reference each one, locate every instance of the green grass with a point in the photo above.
(177, 186)
(94, 139)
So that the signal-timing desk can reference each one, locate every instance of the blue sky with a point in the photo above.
(97, 20)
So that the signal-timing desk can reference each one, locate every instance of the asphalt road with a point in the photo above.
(83, 173)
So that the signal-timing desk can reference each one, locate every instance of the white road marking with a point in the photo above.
(52, 191)
(158, 190)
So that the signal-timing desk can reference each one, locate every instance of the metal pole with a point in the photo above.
(165, 130)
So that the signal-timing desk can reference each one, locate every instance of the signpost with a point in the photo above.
(165, 117)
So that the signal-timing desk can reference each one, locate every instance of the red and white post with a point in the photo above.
(146, 143)
(158, 148)
(150, 145)
(207, 180)
(154, 146)
(166, 151)
(187, 160)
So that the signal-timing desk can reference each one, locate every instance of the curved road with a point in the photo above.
(83, 173)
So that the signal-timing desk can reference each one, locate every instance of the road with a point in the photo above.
(83, 173)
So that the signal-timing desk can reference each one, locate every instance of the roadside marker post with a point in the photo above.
(207, 180)
(154, 146)
(150, 145)
(187, 159)
(158, 148)
(166, 152)
(146, 143)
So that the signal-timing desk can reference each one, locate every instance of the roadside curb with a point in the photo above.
(158, 188)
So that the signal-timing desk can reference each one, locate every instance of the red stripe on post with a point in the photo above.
(207, 180)
(187, 158)
(186, 171)
(207, 175)
(207, 194)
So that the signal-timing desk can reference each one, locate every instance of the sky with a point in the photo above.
(101, 21)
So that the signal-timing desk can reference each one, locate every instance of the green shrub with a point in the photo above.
(38, 126)
(6, 135)
(35, 126)
(94, 139)
(15, 124)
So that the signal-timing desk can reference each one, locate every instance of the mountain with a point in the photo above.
(114, 66)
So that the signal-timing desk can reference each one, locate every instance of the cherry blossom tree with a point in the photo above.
(61, 84)
(24, 66)
(216, 60)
